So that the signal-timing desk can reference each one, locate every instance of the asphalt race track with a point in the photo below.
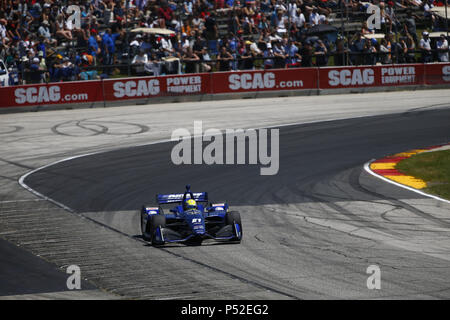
(310, 231)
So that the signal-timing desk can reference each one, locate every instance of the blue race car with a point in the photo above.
(191, 220)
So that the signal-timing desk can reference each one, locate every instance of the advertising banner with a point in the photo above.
(437, 73)
(148, 87)
(52, 93)
(225, 82)
(264, 80)
(371, 76)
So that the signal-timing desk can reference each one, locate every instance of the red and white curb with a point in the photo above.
(385, 169)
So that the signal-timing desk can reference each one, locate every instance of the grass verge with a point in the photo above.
(433, 168)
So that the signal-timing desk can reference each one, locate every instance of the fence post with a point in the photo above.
(424, 77)
(318, 80)
(103, 92)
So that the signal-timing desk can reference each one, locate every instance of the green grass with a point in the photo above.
(433, 168)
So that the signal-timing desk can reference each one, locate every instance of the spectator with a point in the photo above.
(340, 53)
(314, 16)
(385, 51)
(392, 18)
(93, 48)
(279, 53)
(410, 25)
(192, 61)
(44, 31)
(299, 19)
(36, 72)
(425, 47)
(411, 53)
(365, 29)
(108, 13)
(165, 14)
(147, 43)
(109, 47)
(427, 6)
(140, 58)
(306, 52)
(268, 56)
(211, 31)
(281, 27)
(153, 66)
(167, 46)
(321, 53)
(247, 57)
(87, 73)
(3, 35)
(370, 51)
(442, 47)
(357, 48)
(67, 70)
(294, 58)
(224, 58)
(61, 28)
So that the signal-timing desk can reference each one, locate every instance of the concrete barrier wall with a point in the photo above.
(224, 85)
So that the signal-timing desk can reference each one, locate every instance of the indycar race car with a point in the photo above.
(191, 220)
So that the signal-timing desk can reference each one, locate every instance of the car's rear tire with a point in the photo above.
(232, 218)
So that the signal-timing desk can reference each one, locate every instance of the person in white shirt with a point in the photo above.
(166, 45)
(442, 46)
(425, 46)
(3, 37)
(140, 58)
(299, 19)
(137, 41)
(184, 42)
(292, 9)
(314, 17)
(280, 6)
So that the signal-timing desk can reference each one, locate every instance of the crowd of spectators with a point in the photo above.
(52, 40)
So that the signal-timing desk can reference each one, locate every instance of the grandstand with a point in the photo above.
(51, 41)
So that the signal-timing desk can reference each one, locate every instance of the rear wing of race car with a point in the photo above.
(178, 197)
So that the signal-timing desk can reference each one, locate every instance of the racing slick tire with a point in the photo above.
(144, 225)
(156, 221)
(231, 218)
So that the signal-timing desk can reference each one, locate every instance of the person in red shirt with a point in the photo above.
(165, 14)
(219, 4)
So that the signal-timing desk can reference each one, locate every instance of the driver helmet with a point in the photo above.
(191, 204)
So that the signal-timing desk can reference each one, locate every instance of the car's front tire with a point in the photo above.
(155, 224)
(144, 224)
(233, 218)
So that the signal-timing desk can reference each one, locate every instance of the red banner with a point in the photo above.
(148, 87)
(225, 82)
(264, 80)
(438, 73)
(52, 93)
(371, 76)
